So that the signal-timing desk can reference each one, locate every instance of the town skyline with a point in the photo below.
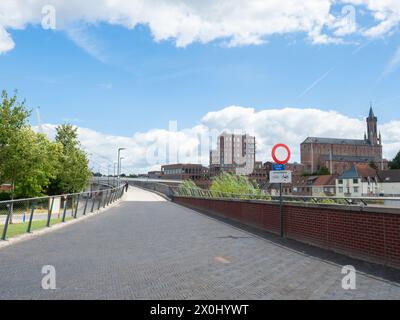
(316, 123)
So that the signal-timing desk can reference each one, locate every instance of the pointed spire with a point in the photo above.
(371, 111)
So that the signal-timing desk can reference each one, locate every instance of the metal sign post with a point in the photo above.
(281, 211)
(280, 175)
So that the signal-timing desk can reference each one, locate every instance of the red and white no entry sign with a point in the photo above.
(275, 153)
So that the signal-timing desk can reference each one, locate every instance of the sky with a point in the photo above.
(126, 72)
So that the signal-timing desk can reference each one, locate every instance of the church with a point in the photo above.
(340, 155)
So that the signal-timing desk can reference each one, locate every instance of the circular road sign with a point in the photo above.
(274, 154)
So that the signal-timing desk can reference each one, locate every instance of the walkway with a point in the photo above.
(149, 248)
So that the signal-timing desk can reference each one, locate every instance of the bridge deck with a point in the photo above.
(148, 248)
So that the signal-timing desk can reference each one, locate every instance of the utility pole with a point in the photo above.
(119, 163)
(114, 173)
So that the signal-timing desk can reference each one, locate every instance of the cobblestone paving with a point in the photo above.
(159, 250)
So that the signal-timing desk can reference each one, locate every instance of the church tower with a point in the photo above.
(372, 125)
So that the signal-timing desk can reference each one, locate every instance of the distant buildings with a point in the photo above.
(186, 171)
(360, 181)
(390, 183)
(260, 173)
(325, 186)
(154, 174)
(356, 167)
(308, 186)
(5, 187)
(340, 155)
(234, 154)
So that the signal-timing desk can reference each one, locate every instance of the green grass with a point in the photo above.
(16, 229)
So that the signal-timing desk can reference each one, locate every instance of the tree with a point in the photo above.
(74, 173)
(323, 171)
(13, 117)
(32, 162)
(395, 163)
(67, 135)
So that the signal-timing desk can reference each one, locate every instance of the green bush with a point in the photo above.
(230, 185)
(189, 188)
(5, 196)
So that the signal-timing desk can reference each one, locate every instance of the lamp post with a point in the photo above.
(119, 162)
(115, 173)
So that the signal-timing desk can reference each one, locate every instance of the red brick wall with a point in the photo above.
(371, 236)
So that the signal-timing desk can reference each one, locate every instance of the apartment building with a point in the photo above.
(235, 154)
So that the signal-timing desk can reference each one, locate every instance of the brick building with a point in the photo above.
(184, 171)
(340, 155)
(259, 174)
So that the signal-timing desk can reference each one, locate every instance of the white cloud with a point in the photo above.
(147, 150)
(235, 22)
(87, 43)
(6, 43)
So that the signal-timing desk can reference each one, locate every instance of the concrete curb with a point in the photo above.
(58, 226)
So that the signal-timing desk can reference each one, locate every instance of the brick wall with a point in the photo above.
(370, 234)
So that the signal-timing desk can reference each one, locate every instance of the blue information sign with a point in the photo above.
(278, 167)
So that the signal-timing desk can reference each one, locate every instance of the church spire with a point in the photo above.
(371, 112)
(372, 127)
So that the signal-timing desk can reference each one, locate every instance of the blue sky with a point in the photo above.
(137, 84)
(123, 71)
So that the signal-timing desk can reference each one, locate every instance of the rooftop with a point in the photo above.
(359, 171)
(336, 141)
(389, 175)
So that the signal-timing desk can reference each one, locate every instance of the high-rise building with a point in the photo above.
(235, 153)
(340, 155)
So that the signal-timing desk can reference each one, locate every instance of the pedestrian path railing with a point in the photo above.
(26, 215)
(327, 200)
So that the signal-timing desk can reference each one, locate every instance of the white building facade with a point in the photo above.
(390, 183)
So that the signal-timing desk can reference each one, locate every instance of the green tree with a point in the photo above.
(13, 117)
(32, 162)
(67, 135)
(323, 171)
(74, 173)
(395, 163)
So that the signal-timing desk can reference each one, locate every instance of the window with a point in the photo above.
(340, 190)
(355, 181)
(340, 181)
(356, 189)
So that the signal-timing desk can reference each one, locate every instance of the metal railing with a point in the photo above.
(162, 188)
(393, 202)
(25, 215)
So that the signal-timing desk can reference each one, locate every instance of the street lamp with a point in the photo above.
(115, 173)
(119, 163)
